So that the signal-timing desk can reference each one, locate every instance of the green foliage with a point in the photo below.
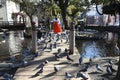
(103, 1)
(75, 7)
(26, 6)
(109, 6)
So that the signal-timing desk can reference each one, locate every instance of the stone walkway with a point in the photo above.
(27, 72)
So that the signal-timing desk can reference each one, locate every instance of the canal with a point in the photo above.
(14, 42)
(95, 48)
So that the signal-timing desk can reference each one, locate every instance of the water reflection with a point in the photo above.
(92, 49)
(10, 43)
(14, 42)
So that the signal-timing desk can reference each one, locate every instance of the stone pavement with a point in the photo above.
(28, 71)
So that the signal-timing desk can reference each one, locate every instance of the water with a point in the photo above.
(14, 43)
(11, 43)
(93, 49)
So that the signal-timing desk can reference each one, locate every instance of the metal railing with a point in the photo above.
(11, 23)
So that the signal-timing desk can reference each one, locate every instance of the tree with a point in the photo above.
(111, 7)
(29, 7)
(70, 8)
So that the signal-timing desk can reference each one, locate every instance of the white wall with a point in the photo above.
(3, 14)
(7, 10)
(11, 8)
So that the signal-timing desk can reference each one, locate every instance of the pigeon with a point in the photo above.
(55, 45)
(109, 71)
(57, 56)
(12, 58)
(67, 38)
(90, 60)
(46, 61)
(59, 50)
(61, 40)
(56, 69)
(80, 60)
(4, 35)
(99, 68)
(116, 49)
(80, 74)
(84, 69)
(40, 66)
(40, 71)
(50, 40)
(68, 75)
(111, 61)
(45, 46)
(35, 75)
(12, 66)
(51, 47)
(7, 76)
(25, 62)
(58, 38)
(35, 54)
(66, 50)
(69, 59)
(112, 69)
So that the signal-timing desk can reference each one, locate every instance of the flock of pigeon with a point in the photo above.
(49, 38)
(45, 37)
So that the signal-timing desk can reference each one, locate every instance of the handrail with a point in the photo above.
(11, 22)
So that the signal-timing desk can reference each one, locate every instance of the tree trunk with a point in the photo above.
(34, 36)
(65, 22)
(118, 71)
(63, 6)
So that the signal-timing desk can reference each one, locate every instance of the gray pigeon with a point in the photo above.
(68, 75)
(109, 71)
(40, 66)
(51, 47)
(84, 69)
(7, 76)
(111, 61)
(40, 71)
(69, 59)
(56, 69)
(46, 61)
(57, 56)
(79, 74)
(99, 68)
(80, 60)
(59, 50)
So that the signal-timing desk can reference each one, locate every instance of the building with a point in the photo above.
(7, 7)
(93, 18)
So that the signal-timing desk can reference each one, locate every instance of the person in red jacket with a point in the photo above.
(56, 26)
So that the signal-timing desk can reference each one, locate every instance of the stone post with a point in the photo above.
(34, 39)
(72, 40)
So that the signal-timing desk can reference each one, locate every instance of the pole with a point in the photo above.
(34, 40)
(72, 40)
